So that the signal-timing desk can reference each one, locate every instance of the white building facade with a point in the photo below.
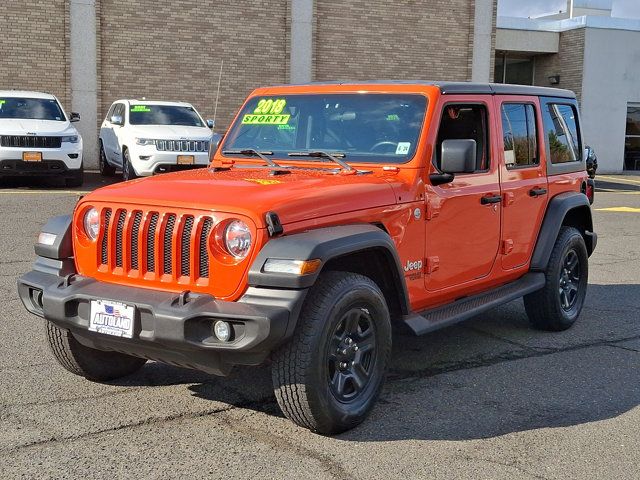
(591, 53)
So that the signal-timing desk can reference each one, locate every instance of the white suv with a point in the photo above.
(143, 138)
(37, 137)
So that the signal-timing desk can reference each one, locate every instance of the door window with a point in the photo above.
(562, 132)
(632, 138)
(462, 122)
(519, 135)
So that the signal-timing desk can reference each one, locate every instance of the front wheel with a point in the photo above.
(76, 179)
(106, 170)
(558, 304)
(128, 172)
(328, 376)
(88, 362)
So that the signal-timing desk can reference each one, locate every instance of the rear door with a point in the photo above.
(463, 217)
(523, 177)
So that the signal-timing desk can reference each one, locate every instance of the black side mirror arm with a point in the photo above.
(441, 178)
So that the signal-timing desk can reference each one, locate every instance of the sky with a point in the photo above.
(527, 8)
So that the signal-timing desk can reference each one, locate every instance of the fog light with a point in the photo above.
(222, 330)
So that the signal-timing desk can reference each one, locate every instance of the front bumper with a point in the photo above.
(169, 327)
(146, 160)
(55, 161)
(18, 168)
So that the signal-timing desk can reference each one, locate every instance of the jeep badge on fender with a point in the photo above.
(328, 213)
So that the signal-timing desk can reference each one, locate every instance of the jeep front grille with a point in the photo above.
(30, 141)
(168, 246)
(182, 145)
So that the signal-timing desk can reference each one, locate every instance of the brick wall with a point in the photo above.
(404, 39)
(568, 63)
(173, 51)
(34, 47)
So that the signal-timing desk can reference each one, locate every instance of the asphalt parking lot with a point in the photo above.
(490, 399)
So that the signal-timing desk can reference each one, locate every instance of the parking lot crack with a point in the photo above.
(517, 468)
(144, 422)
(282, 444)
(487, 361)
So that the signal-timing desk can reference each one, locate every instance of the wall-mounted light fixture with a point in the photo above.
(554, 79)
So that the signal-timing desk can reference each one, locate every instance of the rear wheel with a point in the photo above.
(558, 304)
(329, 375)
(88, 362)
(106, 170)
(128, 172)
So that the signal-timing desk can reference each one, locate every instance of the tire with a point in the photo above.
(87, 362)
(128, 172)
(558, 304)
(312, 374)
(76, 179)
(106, 170)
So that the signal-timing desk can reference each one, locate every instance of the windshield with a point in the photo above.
(31, 108)
(164, 115)
(381, 128)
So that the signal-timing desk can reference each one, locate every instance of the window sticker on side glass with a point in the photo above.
(403, 148)
(2, 102)
(140, 108)
(268, 112)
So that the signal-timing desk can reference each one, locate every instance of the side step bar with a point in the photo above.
(467, 307)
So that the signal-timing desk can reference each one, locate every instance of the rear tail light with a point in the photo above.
(591, 190)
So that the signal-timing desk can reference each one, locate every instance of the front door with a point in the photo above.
(463, 216)
(524, 182)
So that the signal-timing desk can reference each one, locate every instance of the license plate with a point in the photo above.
(32, 156)
(111, 318)
(186, 160)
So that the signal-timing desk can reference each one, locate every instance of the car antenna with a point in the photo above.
(215, 108)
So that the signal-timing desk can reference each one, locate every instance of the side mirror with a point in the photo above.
(116, 119)
(211, 123)
(75, 117)
(458, 156)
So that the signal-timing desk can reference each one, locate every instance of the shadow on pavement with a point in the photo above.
(91, 182)
(586, 377)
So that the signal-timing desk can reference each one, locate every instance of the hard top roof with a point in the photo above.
(463, 87)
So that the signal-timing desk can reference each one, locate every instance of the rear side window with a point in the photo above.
(519, 135)
(561, 130)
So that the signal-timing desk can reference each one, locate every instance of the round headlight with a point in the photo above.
(237, 239)
(92, 223)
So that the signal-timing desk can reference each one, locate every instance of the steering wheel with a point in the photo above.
(384, 143)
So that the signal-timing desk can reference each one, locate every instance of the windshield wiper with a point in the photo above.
(254, 153)
(334, 157)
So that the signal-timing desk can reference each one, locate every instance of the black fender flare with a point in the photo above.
(326, 244)
(62, 246)
(559, 207)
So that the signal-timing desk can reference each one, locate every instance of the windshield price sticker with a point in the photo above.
(140, 108)
(268, 112)
(2, 102)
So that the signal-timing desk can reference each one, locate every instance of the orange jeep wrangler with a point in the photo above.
(329, 214)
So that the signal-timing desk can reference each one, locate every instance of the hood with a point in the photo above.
(302, 195)
(22, 126)
(171, 132)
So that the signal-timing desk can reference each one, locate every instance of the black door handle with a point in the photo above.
(535, 192)
(491, 199)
